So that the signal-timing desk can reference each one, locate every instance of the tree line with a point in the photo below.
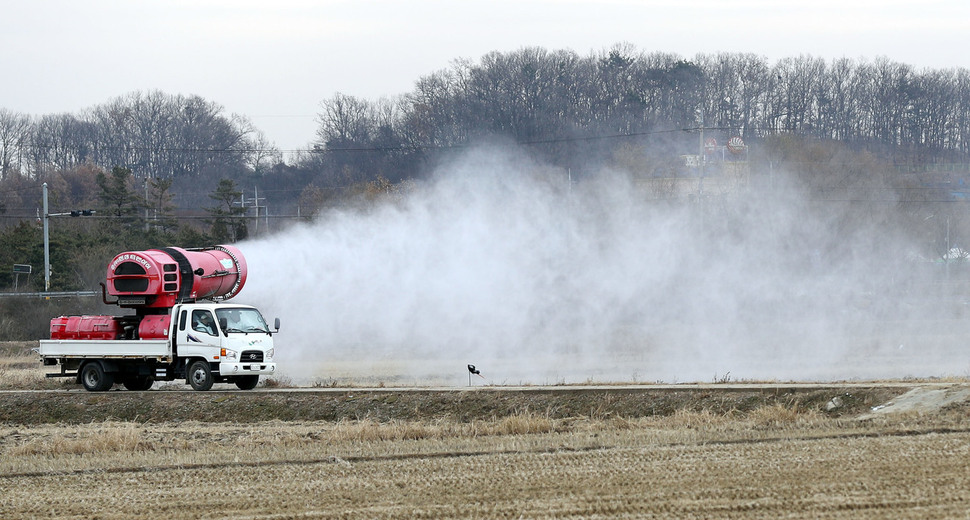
(571, 108)
(155, 134)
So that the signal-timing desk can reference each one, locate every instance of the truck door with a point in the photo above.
(179, 328)
(200, 336)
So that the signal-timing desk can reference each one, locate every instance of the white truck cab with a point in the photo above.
(233, 340)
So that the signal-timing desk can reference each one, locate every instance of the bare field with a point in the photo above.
(767, 464)
(719, 451)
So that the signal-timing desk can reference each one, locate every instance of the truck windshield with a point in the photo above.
(242, 320)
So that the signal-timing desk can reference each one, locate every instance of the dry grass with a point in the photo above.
(183, 442)
(124, 438)
(108, 444)
(20, 369)
(765, 464)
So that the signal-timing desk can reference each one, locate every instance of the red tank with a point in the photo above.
(154, 326)
(85, 327)
(163, 277)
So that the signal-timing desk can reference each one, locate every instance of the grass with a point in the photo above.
(110, 438)
(183, 443)
(767, 463)
(20, 369)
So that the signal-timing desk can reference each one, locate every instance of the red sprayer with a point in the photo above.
(179, 329)
(163, 277)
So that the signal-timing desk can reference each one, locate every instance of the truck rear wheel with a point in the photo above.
(95, 379)
(200, 376)
(139, 383)
(247, 382)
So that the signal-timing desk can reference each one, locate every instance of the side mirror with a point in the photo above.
(224, 325)
(277, 324)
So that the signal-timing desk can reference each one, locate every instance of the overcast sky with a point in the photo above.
(276, 61)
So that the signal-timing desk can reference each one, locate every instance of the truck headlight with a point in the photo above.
(269, 354)
(229, 354)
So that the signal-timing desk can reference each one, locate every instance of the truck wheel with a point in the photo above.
(139, 383)
(94, 378)
(200, 376)
(247, 382)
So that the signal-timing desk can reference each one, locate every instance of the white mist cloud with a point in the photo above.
(501, 263)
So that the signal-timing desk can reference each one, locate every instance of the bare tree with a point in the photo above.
(345, 120)
(14, 134)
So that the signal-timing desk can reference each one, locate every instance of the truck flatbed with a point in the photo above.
(71, 348)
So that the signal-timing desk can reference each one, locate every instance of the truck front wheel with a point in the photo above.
(95, 379)
(200, 376)
(247, 382)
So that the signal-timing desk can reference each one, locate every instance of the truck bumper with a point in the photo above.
(246, 369)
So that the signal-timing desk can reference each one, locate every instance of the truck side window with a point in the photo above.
(182, 319)
(202, 322)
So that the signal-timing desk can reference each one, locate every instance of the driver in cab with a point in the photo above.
(202, 322)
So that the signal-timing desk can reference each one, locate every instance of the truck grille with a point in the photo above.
(250, 356)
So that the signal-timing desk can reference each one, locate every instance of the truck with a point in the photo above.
(179, 327)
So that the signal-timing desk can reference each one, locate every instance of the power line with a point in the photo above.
(18, 190)
(401, 148)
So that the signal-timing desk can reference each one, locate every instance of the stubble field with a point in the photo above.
(879, 450)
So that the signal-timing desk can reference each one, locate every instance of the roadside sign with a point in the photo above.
(19, 269)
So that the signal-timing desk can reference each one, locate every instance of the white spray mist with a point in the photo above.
(500, 262)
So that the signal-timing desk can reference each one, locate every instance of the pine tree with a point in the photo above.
(228, 224)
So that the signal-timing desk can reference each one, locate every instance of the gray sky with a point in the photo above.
(276, 61)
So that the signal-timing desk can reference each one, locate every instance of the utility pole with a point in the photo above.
(256, 205)
(47, 240)
(700, 157)
(47, 247)
(147, 227)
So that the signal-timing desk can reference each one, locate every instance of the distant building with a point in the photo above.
(720, 170)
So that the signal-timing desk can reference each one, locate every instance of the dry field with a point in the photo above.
(694, 453)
